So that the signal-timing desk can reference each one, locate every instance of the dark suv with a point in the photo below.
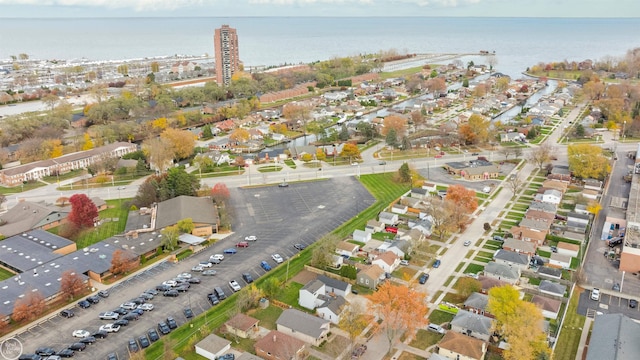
(247, 278)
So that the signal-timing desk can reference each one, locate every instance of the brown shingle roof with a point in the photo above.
(242, 322)
(278, 344)
(546, 304)
(463, 345)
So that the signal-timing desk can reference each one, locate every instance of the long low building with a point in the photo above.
(79, 160)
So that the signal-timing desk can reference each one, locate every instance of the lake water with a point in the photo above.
(518, 42)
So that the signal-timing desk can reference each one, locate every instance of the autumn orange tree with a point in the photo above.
(29, 307)
(350, 150)
(353, 320)
(395, 122)
(401, 309)
(220, 193)
(71, 284)
(464, 202)
(518, 321)
(239, 135)
(123, 261)
(181, 142)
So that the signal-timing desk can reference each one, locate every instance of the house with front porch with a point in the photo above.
(370, 276)
(461, 347)
(302, 326)
(502, 272)
(473, 325)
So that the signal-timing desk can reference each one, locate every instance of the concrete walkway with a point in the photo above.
(582, 346)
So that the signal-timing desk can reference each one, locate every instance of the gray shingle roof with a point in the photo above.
(303, 323)
(477, 301)
(199, 209)
(333, 283)
(549, 286)
(512, 257)
(28, 215)
(313, 286)
(549, 271)
(504, 271)
(474, 322)
(614, 337)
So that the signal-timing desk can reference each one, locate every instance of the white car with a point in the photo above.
(205, 264)
(467, 243)
(184, 275)
(80, 333)
(145, 307)
(110, 328)
(250, 238)
(197, 268)
(129, 305)
(404, 262)
(234, 286)
(595, 294)
(171, 283)
(217, 257)
(109, 315)
(277, 258)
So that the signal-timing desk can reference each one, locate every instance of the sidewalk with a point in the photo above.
(582, 346)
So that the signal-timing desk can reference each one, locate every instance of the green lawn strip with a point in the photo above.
(18, 189)
(268, 316)
(440, 317)
(491, 247)
(459, 267)
(290, 163)
(473, 269)
(569, 340)
(269, 168)
(5, 274)
(449, 280)
(425, 338)
(482, 259)
(543, 253)
(404, 273)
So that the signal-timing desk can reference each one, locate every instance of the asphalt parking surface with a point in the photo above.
(608, 304)
(279, 217)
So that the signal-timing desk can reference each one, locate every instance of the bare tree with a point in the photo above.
(515, 183)
(506, 151)
(517, 151)
(541, 154)
(441, 216)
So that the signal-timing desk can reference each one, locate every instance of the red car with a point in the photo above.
(242, 244)
(438, 156)
(391, 229)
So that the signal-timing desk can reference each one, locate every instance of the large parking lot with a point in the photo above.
(279, 216)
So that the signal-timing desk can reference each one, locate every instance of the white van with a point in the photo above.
(436, 328)
(486, 190)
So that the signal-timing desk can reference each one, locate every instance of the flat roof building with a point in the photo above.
(225, 41)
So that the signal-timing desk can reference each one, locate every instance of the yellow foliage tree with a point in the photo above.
(88, 143)
(518, 321)
(398, 123)
(160, 123)
(594, 207)
(181, 119)
(239, 135)
(480, 126)
(587, 161)
(181, 142)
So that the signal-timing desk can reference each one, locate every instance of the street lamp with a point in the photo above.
(624, 124)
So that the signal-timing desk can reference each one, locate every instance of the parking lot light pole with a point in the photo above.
(622, 281)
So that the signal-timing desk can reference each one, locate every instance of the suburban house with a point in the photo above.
(277, 345)
(312, 294)
(543, 206)
(590, 194)
(398, 247)
(347, 249)
(242, 325)
(614, 337)
(388, 218)
(593, 184)
(308, 328)
(550, 196)
(331, 309)
(424, 225)
(399, 209)
(15, 176)
(519, 246)
(512, 258)
(477, 304)
(361, 235)
(552, 288)
(556, 185)
(567, 249)
(560, 261)
(199, 209)
(487, 283)
(419, 193)
(374, 226)
(531, 235)
(430, 187)
(470, 324)
(335, 287)
(550, 307)
(577, 222)
(414, 236)
(461, 347)
(371, 276)
(387, 261)
(502, 272)
(26, 216)
(473, 169)
(550, 272)
(512, 137)
(540, 215)
(212, 347)
(539, 225)
(561, 173)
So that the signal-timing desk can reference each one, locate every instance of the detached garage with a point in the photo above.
(212, 347)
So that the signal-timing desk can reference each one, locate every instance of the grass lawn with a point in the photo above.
(267, 316)
(440, 317)
(425, 338)
(5, 274)
(482, 259)
(409, 356)
(269, 168)
(289, 294)
(454, 298)
(404, 273)
(473, 269)
(290, 163)
(569, 339)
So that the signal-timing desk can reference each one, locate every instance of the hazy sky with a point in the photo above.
(233, 8)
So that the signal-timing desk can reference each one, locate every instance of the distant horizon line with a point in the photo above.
(316, 16)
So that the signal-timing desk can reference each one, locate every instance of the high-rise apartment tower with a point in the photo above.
(226, 49)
